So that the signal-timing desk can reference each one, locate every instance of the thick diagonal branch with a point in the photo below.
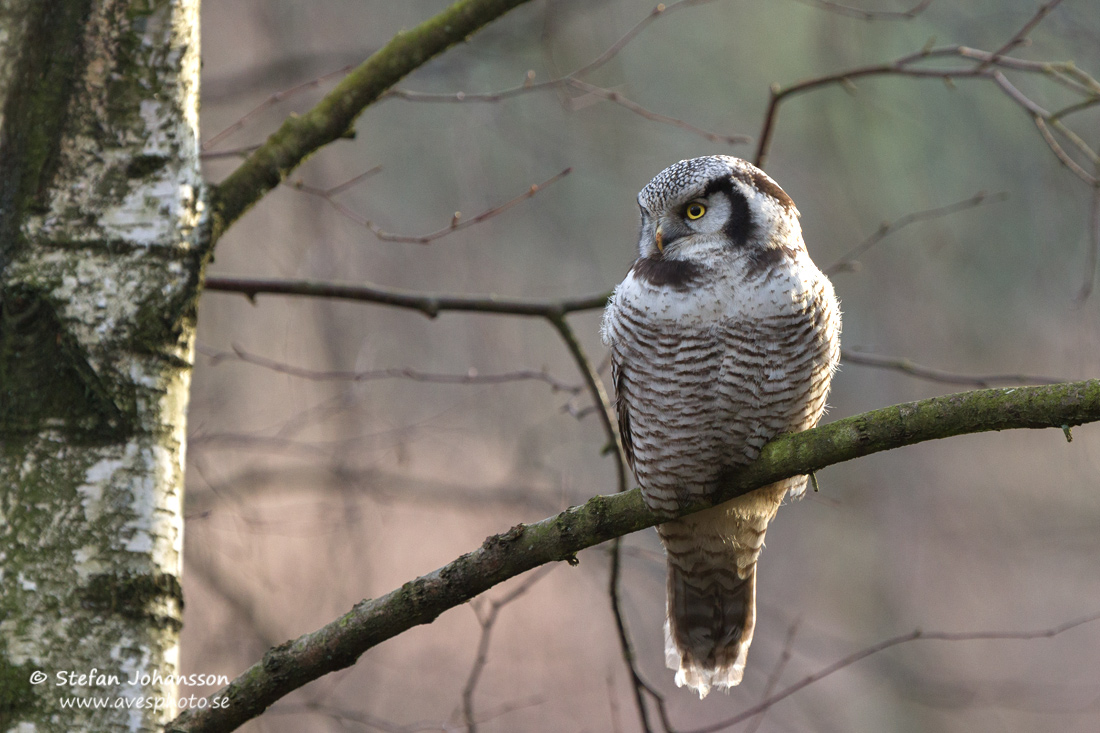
(339, 644)
(334, 115)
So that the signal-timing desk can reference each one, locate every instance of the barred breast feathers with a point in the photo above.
(723, 335)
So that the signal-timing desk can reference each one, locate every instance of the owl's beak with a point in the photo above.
(660, 240)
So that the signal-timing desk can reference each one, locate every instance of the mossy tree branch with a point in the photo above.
(333, 117)
(601, 518)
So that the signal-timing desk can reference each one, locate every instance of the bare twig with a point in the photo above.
(487, 619)
(599, 395)
(862, 14)
(574, 80)
(1063, 156)
(660, 10)
(1018, 37)
(848, 261)
(331, 119)
(457, 222)
(637, 684)
(386, 726)
(641, 111)
(428, 304)
(242, 152)
(914, 635)
(270, 102)
(329, 193)
(938, 375)
(470, 377)
(988, 67)
(773, 678)
(1093, 251)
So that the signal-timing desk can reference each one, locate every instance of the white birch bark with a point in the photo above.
(102, 239)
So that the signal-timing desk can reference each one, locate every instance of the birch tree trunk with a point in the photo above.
(102, 240)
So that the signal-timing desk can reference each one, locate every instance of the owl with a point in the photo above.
(723, 336)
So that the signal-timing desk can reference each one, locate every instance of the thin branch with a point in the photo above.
(986, 68)
(1018, 37)
(637, 684)
(370, 622)
(457, 222)
(574, 80)
(470, 377)
(1075, 108)
(268, 103)
(329, 193)
(1063, 156)
(428, 304)
(914, 635)
(242, 152)
(862, 14)
(334, 116)
(386, 726)
(1093, 251)
(432, 305)
(488, 620)
(660, 10)
(931, 374)
(641, 111)
(773, 678)
(599, 394)
(848, 261)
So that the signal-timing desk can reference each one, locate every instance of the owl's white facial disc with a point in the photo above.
(704, 207)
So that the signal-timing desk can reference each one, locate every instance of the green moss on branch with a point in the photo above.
(602, 518)
(334, 115)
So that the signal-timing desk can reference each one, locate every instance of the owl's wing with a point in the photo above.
(622, 408)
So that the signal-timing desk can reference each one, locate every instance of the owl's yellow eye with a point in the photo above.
(696, 211)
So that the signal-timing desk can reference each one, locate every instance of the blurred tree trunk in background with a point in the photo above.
(102, 233)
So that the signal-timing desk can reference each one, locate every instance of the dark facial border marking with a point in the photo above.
(660, 272)
(765, 185)
(739, 227)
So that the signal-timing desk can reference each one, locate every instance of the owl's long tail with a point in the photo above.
(712, 592)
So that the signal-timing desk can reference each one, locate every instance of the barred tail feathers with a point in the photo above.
(712, 591)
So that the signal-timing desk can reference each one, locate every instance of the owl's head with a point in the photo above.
(713, 206)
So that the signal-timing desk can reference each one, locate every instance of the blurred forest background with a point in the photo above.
(308, 490)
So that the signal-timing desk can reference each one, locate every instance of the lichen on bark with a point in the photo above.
(101, 249)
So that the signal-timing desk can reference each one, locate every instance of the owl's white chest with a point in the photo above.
(717, 299)
(707, 374)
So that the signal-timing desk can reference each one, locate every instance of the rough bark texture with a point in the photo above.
(101, 245)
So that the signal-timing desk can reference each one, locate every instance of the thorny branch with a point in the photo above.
(339, 644)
